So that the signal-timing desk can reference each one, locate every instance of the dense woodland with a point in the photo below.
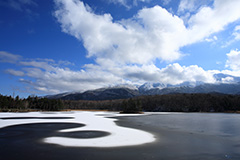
(168, 103)
(8, 103)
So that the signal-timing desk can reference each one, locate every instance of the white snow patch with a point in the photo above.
(94, 121)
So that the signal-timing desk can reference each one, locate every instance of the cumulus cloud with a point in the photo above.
(45, 76)
(126, 41)
(56, 78)
(214, 38)
(228, 80)
(153, 33)
(233, 60)
(171, 74)
(236, 33)
(60, 79)
(212, 20)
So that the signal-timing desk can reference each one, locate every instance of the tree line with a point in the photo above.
(154, 103)
(8, 103)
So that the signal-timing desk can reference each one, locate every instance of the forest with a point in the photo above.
(156, 103)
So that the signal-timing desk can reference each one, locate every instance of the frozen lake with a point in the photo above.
(217, 124)
(108, 135)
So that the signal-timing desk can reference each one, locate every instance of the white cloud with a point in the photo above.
(214, 38)
(14, 72)
(228, 80)
(237, 28)
(43, 65)
(138, 40)
(8, 57)
(191, 73)
(54, 79)
(212, 20)
(45, 77)
(58, 79)
(153, 33)
(171, 74)
(233, 60)
(46, 64)
(236, 33)
(62, 80)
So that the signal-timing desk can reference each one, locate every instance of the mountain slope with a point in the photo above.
(100, 94)
(124, 92)
(204, 88)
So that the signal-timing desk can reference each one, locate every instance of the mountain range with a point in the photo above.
(129, 91)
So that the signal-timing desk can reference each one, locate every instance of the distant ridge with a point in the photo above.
(124, 93)
(129, 91)
(99, 94)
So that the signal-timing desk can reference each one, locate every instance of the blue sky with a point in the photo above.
(49, 47)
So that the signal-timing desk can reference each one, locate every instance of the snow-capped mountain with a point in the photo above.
(100, 94)
(148, 86)
(225, 78)
(226, 84)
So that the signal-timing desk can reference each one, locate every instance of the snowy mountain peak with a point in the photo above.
(225, 78)
(129, 86)
(147, 86)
